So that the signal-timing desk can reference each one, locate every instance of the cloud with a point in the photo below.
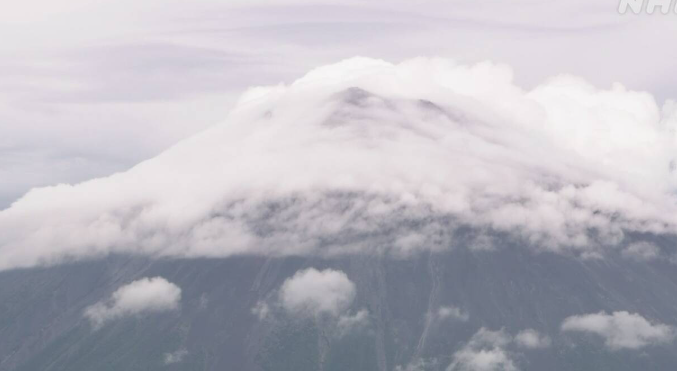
(323, 296)
(419, 365)
(484, 352)
(489, 350)
(146, 295)
(366, 156)
(621, 330)
(452, 313)
(261, 310)
(63, 101)
(316, 293)
(641, 251)
(348, 323)
(532, 339)
(175, 357)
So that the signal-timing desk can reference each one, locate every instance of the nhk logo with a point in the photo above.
(648, 6)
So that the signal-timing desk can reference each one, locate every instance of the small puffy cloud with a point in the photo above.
(532, 339)
(175, 357)
(145, 295)
(621, 330)
(323, 296)
(491, 350)
(452, 313)
(484, 352)
(261, 310)
(315, 293)
(347, 323)
(641, 251)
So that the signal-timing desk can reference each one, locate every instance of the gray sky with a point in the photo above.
(89, 88)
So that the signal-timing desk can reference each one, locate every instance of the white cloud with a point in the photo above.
(66, 95)
(484, 352)
(642, 251)
(175, 357)
(324, 296)
(146, 295)
(621, 330)
(419, 365)
(261, 310)
(491, 350)
(453, 313)
(347, 323)
(399, 153)
(316, 293)
(532, 339)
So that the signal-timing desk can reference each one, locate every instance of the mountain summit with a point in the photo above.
(425, 215)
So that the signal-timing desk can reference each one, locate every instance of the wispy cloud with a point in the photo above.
(452, 313)
(175, 357)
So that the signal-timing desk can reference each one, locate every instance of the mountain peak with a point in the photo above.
(426, 141)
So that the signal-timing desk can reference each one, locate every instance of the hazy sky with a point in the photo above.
(88, 88)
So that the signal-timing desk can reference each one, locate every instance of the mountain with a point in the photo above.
(510, 289)
(369, 216)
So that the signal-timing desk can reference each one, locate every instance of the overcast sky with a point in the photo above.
(92, 87)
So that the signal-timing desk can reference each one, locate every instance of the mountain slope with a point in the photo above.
(369, 216)
(511, 289)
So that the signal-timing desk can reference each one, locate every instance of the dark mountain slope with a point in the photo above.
(42, 325)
